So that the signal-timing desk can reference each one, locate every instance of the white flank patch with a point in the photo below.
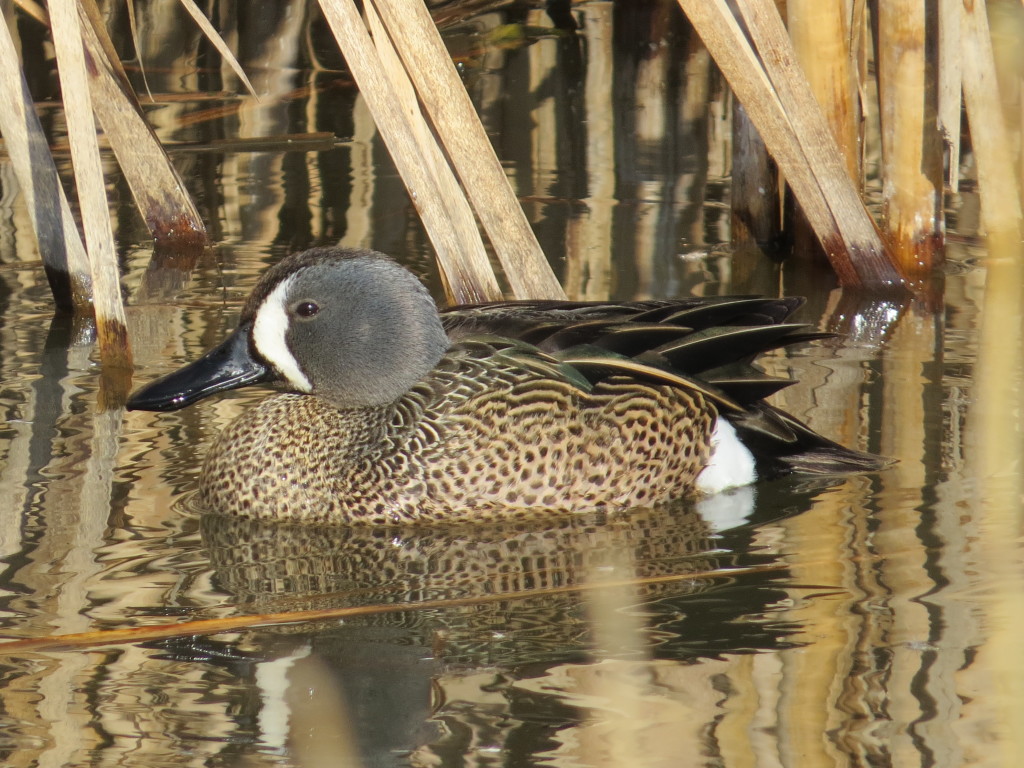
(731, 463)
(268, 334)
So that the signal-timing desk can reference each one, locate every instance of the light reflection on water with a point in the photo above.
(841, 624)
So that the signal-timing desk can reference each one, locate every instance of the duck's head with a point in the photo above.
(351, 327)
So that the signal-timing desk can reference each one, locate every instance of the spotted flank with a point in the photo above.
(392, 412)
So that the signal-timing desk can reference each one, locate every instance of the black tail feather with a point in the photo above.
(782, 444)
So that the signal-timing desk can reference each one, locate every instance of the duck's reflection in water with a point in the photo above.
(420, 677)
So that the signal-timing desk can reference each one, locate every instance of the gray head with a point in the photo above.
(350, 326)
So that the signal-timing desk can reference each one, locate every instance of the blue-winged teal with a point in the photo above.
(395, 412)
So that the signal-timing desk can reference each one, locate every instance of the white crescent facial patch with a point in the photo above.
(269, 336)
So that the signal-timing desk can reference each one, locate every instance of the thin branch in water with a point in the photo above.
(218, 42)
(133, 30)
(235, 623)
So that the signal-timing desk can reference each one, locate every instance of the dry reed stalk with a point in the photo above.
(824, 46)
(821, 38)
(911, 142)
(158, 190)
(1006, 20)
(950, 88)
(458, 210)
(34, 10)
(860, 53)
(999, 375)
(866, 252)
(462, 134)
(1000, 198)
(826, 194)
(92, 196)
(133, 31)
(469, 277)
(994, 448)
(589, 236)
(64, 258)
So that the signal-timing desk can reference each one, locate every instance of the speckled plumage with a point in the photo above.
(480, 437)
(486, 411)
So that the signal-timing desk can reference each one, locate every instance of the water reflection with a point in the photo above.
(516, 640)
(267, 566)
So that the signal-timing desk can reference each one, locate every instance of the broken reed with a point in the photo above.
(923, 62)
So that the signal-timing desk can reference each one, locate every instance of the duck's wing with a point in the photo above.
(700, 344)
(553, 325)
(703, 345)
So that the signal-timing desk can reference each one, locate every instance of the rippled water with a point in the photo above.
(871, 620)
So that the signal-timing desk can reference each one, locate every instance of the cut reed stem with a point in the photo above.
(92, 196)
(911, 142)
(990, 140)
(822, 38)
(468, 273)
(158, 190)
(950, 88)
(459, 129)
(794, 130)
(863, 250)
(459, 212)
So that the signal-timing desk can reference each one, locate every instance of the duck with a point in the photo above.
(391, 411)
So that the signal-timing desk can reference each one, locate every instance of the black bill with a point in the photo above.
(227, 366)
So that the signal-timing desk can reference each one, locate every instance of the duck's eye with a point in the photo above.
(307, 309)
